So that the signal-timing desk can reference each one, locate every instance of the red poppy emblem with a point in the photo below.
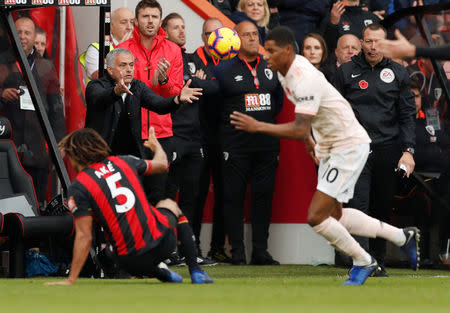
(363, 84)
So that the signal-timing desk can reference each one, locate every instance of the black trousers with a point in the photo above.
(240, 169)
(184, 177)
(147, 264)
(374, 192)
(155, 185)
(213, 167)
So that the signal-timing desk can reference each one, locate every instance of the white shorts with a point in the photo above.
(339, 172)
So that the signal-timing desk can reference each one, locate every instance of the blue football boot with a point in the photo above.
(411, 246)
(200, 277)
(359, 274)
(174, 277)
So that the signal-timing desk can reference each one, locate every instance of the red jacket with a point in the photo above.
(145, 63)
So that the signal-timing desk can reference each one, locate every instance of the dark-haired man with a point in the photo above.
(342, 145)
(107, 189)
(378, 90)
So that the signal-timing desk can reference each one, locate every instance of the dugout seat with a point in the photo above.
(19, 209)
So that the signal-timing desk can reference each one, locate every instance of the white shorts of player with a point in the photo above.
(339, 172)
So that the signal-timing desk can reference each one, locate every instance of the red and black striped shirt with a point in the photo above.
(112, 193)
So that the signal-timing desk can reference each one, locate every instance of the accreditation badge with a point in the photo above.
(25, 99)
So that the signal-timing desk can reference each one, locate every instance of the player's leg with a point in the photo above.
(336, 180)
(187, 241)
(358, 223)
(320, 219)
(147, 264)
(361, 224)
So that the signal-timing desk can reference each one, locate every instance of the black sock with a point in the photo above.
(187, 243)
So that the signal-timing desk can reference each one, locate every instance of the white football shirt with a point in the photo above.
(335, 127)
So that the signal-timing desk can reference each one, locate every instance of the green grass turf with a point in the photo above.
(287, 288)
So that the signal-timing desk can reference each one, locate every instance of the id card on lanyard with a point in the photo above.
(26, 103)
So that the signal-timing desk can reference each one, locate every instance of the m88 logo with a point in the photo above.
(257, 102)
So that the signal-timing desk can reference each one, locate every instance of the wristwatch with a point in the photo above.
(410, 150)
(164, 81)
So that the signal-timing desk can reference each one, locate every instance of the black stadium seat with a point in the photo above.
(19, 209)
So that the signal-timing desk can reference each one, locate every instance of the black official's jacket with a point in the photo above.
(381, 99)
(185, 121)
(104, 107)
(208, 109)
(433, 148)
(239, 92)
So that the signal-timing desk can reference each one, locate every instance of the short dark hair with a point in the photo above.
(85, 146)
(169, 17)
(282, 36)
(415, 84)
(374, 26)
(147, 4)
(40, 31)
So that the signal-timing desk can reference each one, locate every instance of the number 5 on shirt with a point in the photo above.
(120, 191)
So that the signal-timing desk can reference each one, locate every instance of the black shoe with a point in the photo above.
(240, 261)
(175, 260)
(238, 255)
(219, 256)
(380, 272)
(263, 258)
(205, 261)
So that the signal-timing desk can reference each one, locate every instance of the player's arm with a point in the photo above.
(81, 246)
(159, 163)
(299, 129)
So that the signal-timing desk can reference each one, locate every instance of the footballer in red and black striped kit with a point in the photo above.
(108, 190)
(104, 191)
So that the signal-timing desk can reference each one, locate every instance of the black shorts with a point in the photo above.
(144, 265)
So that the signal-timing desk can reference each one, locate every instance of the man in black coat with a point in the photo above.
(114, 104)
(378, 90)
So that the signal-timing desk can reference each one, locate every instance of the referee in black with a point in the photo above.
(379, 92)
(108, 190)
(248, 86)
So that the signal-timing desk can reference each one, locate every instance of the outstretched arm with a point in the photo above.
(299, 129)
(399, 49)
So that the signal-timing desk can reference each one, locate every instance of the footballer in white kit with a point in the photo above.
(341, 144)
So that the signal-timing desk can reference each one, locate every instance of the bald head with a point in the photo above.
(249, 35)
(122, 23)
(27, 33)
(209, 26)
(347, 46)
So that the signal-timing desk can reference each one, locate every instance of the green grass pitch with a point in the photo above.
(286, 288)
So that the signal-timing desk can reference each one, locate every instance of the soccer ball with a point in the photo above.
(224, 43)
